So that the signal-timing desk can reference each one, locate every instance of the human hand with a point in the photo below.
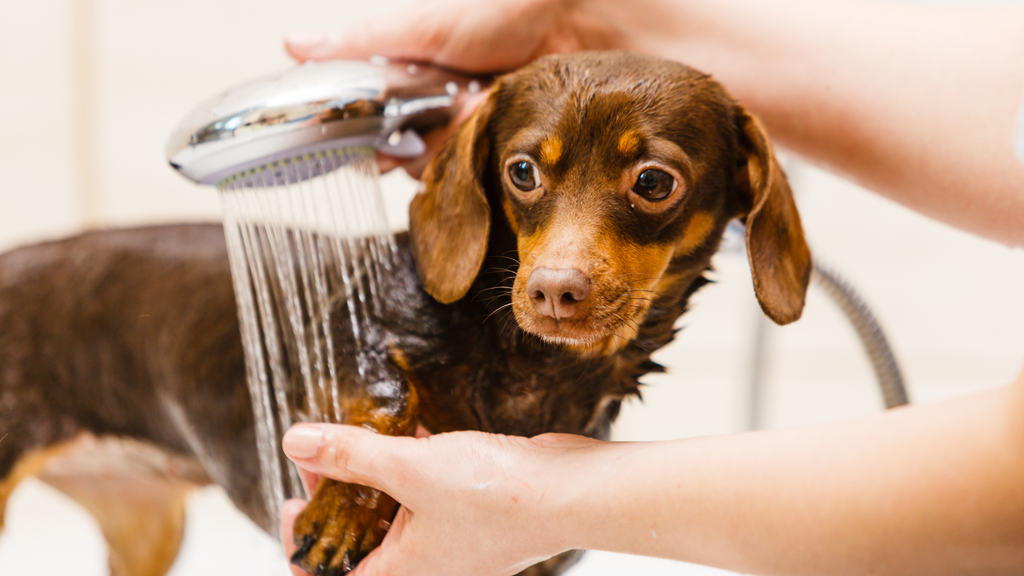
(473, 504)
(466, 35)
(475, 37)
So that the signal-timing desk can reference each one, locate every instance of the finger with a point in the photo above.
(387, 163)
(414, 168)
(433, 141)
(351, 454)
(408, 35)
(310, 480)
(289, 510)
(436, 138)
(301, 45)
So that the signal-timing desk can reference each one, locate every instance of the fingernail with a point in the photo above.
(306, 40)
(292, 507)
(302, 442)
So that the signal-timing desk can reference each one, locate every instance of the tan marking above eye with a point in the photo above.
(551, 150)
(696, 232)
(629, 141)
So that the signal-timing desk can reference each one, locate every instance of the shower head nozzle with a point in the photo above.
(312, 108)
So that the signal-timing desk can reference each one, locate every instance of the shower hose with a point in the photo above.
(887, 370)
(857, 312)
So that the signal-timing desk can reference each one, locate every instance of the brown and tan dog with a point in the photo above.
(560, 234)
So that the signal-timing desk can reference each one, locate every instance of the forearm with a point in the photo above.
(916, 103)
(926, 490)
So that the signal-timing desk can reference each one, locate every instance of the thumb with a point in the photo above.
(409, 35)
(352, 454)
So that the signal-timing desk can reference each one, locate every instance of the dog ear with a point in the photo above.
(450, 219)
(780, 261)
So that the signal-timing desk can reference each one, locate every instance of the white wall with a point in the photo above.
(91, 89)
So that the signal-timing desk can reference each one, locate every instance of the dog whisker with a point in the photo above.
(652, 279)
(493, 288)
(516, 260)
(500, 269)
(509, 305)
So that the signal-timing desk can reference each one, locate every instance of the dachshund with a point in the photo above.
(557, 237)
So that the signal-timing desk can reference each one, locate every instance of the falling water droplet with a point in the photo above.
(294, 284)
(451, 88)
(473, 87)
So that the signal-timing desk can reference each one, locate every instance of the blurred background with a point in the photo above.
(91, 89)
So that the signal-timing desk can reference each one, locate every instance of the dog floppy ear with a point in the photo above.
(450, 219)
(780, 262)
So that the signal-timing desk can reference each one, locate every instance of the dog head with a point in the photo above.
(617, 175)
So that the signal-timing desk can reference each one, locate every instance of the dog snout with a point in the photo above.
(557, 292)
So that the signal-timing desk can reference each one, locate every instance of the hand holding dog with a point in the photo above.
(479, 504)
(473, 503)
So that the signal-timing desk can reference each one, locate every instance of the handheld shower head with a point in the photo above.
(310, 109)
(292, 156)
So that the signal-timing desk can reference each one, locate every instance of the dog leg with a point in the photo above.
(136, 493)
(31, 464)
(344, 522)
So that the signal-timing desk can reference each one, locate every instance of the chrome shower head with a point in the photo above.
(310, 109)
(307, 235)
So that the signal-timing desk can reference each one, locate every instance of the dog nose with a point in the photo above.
(556, 292)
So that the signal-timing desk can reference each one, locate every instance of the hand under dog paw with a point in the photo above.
(340, 526)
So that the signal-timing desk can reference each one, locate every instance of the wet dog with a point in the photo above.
(559, 235)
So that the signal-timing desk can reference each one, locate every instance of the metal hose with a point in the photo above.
(887, 370)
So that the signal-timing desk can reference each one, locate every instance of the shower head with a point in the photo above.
(308, 241)
(311, 109)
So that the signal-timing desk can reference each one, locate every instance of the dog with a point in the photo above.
(558, 236)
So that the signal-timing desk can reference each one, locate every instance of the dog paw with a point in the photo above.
(340, 526)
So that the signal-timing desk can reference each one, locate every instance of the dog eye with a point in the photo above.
(654, 185)
(524, 175)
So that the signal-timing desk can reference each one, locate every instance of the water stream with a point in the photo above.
(309, 247)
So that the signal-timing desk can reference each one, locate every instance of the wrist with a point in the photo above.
(576, 472)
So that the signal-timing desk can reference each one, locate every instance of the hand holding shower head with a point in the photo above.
(311, 108)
